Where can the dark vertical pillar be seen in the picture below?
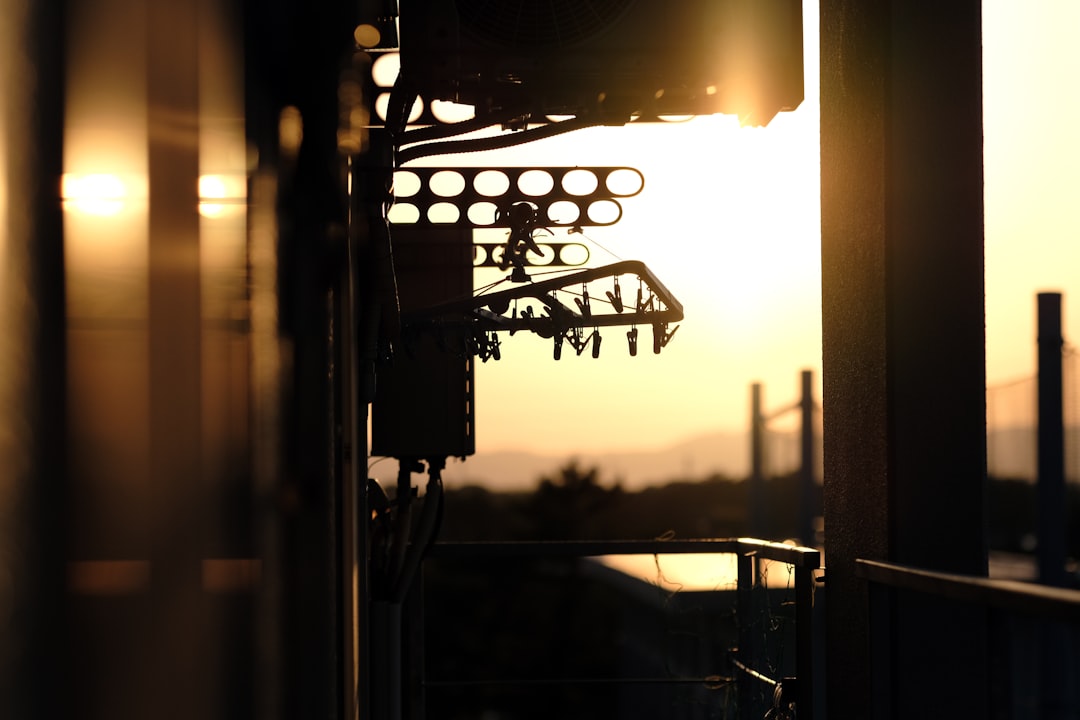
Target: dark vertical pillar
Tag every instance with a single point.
(902, 332)
(34, 488)
(808, 506)
(1051, 443)
(755, 495)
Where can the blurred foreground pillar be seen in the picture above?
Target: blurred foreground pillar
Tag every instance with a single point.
(903, 345)
(33, 478)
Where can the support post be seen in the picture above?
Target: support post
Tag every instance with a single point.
(1051, 443)
(808, 509)
(755, 495)
(903, 342)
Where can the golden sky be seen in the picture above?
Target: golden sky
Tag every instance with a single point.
(729, 221)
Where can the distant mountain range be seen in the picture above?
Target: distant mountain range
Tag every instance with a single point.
(725, 453)
(1011, 453)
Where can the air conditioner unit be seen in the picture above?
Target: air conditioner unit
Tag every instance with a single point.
(613, 59)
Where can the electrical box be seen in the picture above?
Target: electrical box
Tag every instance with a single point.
(424, 395)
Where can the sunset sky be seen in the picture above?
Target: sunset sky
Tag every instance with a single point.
(729, 220)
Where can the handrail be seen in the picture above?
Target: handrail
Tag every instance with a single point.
(799, 557)
(804, 560)
(1022, 597)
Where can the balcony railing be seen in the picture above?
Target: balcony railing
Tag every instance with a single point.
(745, 659)
(1031, 636)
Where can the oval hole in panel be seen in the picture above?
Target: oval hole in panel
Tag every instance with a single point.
(544, 258)
(580, 182)
(443, 213)
(604, 212)
(403, 214)
(574, 254)
(536, 182)
(625, 182)
(447, 183)
(563, 212)
(384, 70)
(451, 112)
(491, 183)
(383, 101)
(406, 184)
(482, 213)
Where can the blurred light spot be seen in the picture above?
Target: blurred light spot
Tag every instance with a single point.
(290, 130)
(212, 187)
(350, 141)
(96, 194)
(711, 90)
(217, 191)
(108, 577)
(367, 36)
(350, 92)
(230, 574)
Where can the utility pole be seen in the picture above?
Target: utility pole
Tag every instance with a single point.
(1051, 443)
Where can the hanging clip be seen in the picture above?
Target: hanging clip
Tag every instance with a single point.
(577, 340)
(631, 338)
(583, 302)
(596, 343)
(616, 296)
(661, 337)
(488, 347)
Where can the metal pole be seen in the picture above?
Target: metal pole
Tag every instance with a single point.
(35, 608)
(1051, 443)
(756, 491)
(804, 644)
(807, 505)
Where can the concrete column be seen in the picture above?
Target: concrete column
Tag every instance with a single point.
(903, 336)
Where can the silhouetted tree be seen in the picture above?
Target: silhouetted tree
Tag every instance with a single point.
(566, 504)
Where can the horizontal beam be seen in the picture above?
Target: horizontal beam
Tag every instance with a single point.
(1020, 597)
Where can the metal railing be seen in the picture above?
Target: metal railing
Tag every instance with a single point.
(750, 554)
(1032, 633)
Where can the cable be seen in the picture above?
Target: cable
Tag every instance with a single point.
(427, 528)
(496, 142)
(437, 132)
